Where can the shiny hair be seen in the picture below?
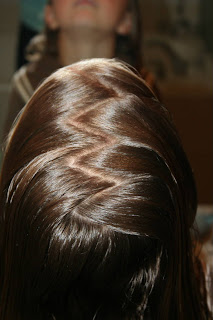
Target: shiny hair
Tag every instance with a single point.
(128, 47)
(97, 204)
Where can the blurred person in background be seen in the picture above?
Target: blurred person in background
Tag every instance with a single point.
(75, 30)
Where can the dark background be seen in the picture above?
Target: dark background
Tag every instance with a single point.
(178, 48)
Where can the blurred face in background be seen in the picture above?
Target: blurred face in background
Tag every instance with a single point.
(109, 16)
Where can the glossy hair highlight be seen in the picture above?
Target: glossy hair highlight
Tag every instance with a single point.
(97, 203)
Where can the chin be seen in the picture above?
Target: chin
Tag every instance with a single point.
(85, 17)
(84, 21)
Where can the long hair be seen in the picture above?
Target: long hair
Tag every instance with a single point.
(128, 48)
(97, 203)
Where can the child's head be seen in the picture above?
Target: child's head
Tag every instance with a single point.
(97, 202)
(121, 18)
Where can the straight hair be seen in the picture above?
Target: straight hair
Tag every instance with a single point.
(97, 204)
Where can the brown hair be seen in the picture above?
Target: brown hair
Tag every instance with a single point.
(128, 48)
(97, 203)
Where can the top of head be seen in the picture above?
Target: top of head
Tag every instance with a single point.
(95, 178)
(98, 120)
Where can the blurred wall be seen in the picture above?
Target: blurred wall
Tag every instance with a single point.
(8, 35)
(178, 46)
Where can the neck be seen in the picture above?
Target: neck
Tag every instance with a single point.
(84, 44)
